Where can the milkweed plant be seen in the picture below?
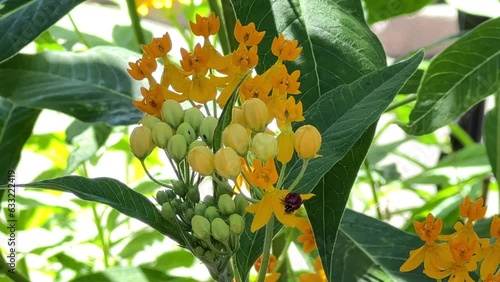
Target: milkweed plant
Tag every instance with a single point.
(263, 119)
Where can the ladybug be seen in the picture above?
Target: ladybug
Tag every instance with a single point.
(292, 202)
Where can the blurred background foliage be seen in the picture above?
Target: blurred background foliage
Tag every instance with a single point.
(63, 238)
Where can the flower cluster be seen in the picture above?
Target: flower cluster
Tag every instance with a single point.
(240, 155)
(457, 254)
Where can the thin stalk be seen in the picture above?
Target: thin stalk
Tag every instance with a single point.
(15, 275)
(100, 231)
(136, 23)
(283, 256)
(154, 179)
(373, 186)
(299, 177)
(410, 98)
(207, 109)
(497, 105)
(281, 177)
(268, 239)
(461, 135)
(80, 35)
(223, 34)
(173, 166)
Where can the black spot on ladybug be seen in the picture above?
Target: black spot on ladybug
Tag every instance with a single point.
(292, 202)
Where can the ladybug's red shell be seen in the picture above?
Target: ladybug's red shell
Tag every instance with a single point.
(292, 202)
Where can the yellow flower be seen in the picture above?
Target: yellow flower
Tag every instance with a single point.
(307, 142)
(255, 114)
(472, 210)
(307, 237)
(288, 112)
(492, 278)
(263, 177)
(319, 276)
(227, 163)
(247, 34)
(201, 160)
(236, 136)
(143, 6)
(491, 251)
(273, 203)
(285, 49)
(285, 146)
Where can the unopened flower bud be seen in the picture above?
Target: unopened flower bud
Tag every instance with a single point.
(285, 146)
(209, 256)
(212, 213)
(196, 143)
(162, 196)
(226, 204)
(187, 131)
(220, 230)
(236, 224)
(177, 147)
(227, 163)
(162, 132)
(175, 205)
(189, 214)
(207, 129)
(201, 227)
(224, 188)
(194, 116)
(307, 142)
(201, 160)
(209, 200)
(240, 203)
(172, 113)
(237, 116)
(264, 146)
(255, 114)
(180, 188)
(193, 194)
(141, 142)
(236, 137)
(199, 251)
(200, 209)
(149, 121)
(168, 212)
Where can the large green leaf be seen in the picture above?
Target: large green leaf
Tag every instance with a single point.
(459, 77)
(370, 250)
(379, 10)
(491, 139)
(16, 125)
(23, 23)
(115, 194)
(93, 86)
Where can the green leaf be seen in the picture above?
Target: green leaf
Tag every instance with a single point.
(491, 139)
(459, 77)
(115, 194)
(16, 125)
(371, 250)
(26, 22)
(93, 86)
(130, 274)
(345, 113)
(124, 36)
(139, 241)
(379, 10)
(88, 142)
(172, 260)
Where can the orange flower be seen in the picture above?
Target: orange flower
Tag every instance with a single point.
(273, 202)
(492, 278)
(152, 102)
(195, 62)
(245, 59)
(247, 34)
(287, 112)
(254, 87)
(472, 210)
(307, 237)
(286, 83)
(320, 275)
(270, 266)
(429, 230)
(159, 46)
(142, 68)
(491, 252)
(285, 49)
(263, 177)
(205, 26)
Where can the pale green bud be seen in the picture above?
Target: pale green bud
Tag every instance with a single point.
(227, 163)
(212, 213)
(187, 131)
(241, 203)
(194, 117)
(194, 195)
(200, 208)
(236, 136)
(150, 121)
(168, 212)
(224, 188)
(162, 132)
(175, 205)
(220, 230)
(207, 129)
(236, 224)
(189, 214)
(201, 227)
(209, 256)
(196, 143)
(199, 251)
(209, 200)
(180, 188)
(172, 113)
(264, 146)
(141, 142)
(226, 204)
(162, 196)
(177, 147)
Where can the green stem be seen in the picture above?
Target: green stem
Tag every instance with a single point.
(461, 134)
(373, 186)
(15, 275)
(136, 23)
(281, 177)
(268, 239)
(80, 35)
(100, 230)
(497, 105)
(173, 166)
(223, 34)
(154, 179)
(410, 98)
(299, 177)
